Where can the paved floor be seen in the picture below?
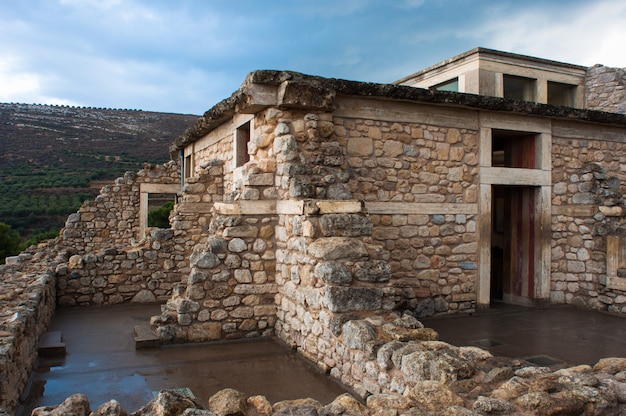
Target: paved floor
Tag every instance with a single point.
(101, 362)
(556, 336)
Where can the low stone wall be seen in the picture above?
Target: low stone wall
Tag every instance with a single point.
(142, 273)
(28, 299)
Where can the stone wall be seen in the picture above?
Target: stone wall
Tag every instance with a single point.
(111, 262)
(113, 218)
(230, 290)
(28, 298)
(605, 89)
(588, 189)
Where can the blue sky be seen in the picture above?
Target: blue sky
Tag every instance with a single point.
(183, 56)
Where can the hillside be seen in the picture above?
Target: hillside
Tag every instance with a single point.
(54, 157)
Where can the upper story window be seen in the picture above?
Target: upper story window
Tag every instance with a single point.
(561, 94)
(513, 149)
(242, 137)
(450, 85)
(519, 88)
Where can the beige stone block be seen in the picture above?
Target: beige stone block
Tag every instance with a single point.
(206, 331)
(338, 207)
(392, 148)
(264, 310)
(463, 297)
(360, 146)
(453, 136)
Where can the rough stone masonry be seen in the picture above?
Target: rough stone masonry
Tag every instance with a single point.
(360, 208)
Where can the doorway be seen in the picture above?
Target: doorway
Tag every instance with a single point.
(514, 243)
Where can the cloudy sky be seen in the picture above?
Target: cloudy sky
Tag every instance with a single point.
(183, 56)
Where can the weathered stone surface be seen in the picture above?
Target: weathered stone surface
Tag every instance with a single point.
(345, 225)
(333, 272)
(204, 260)
(228, 402)
(345, 404)
(167, 403)
(75, 405)
(334, 248)
(357, 333)
(110, 408)
(346, 299)
(612, 365)
(433, 395)
(373, 271)
(299, 407)
(492, 406)
(434, 365)
(259, 406)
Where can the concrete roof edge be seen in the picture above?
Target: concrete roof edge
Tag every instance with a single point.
(486, 51)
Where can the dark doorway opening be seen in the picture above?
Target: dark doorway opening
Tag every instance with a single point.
(514, 247)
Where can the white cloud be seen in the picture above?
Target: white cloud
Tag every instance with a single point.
(585, 34)
(15, 83)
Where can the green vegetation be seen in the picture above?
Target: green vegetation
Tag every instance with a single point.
(159, 217)
(9, 242)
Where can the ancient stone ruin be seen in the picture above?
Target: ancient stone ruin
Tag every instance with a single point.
(334, 215)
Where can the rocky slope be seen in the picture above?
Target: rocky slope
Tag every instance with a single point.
(54, 157)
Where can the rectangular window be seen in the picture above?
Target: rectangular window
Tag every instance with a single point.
(511, 149)
(450, 85)
(561, 94)
(242, 137)
(519, 88)
(188, 167)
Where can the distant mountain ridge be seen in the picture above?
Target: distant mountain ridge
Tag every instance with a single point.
(50, 156)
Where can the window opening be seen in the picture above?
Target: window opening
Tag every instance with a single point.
(519, 88)
(242, 138)
(561, 94)
(450, 85)
(159, 207)
(511, 149)
(188, 167)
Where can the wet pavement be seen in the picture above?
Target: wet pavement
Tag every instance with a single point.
(101, 362)
(556, 336)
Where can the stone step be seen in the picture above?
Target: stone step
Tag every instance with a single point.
(145, 337)
(51, 344)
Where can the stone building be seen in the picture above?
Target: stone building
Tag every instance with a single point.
(318, 210)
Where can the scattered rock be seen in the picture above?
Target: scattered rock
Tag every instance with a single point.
(228, 402)
(75, 405)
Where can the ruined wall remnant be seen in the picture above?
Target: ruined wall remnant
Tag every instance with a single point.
(28, 299)
(111, 261)
(605, 89)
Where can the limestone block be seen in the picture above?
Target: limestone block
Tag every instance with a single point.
(346, 299)
(205, 331)
(144, 296)
(345, 225)
(357, 333)
(237, 245)
(242, 231)
(204, 260)
(334, 248)
(433, 365)
(374, 271)
(333, 272)
(360, 146)
(433, 396)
